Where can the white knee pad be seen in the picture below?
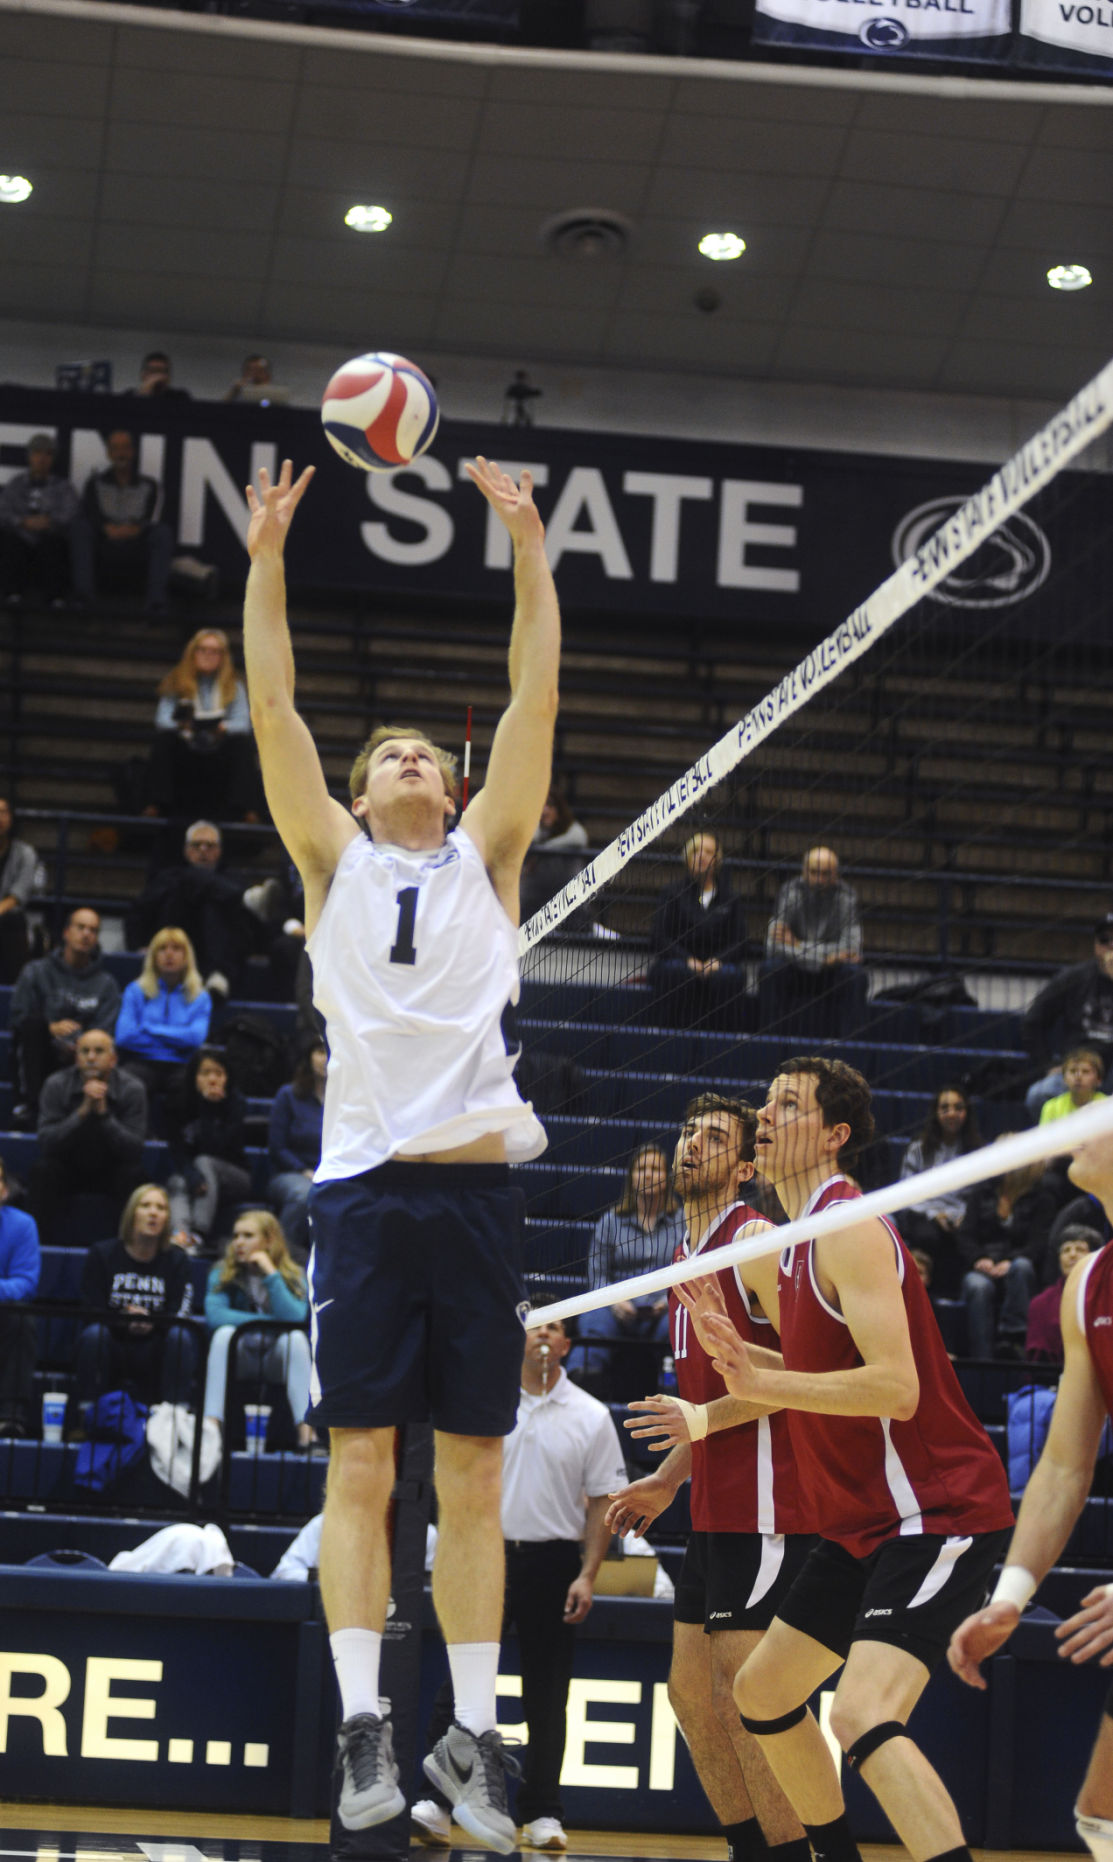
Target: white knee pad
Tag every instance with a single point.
(1097, 1834)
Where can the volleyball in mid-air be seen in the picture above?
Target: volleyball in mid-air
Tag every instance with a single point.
(379, 412)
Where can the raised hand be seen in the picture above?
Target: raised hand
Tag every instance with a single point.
(514, 503)
(272, 509)
(704, 1300)
(980, 1636)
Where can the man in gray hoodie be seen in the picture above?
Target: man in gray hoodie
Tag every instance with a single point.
(54, 1001)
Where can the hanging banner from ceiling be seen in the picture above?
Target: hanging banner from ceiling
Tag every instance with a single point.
(961, 29)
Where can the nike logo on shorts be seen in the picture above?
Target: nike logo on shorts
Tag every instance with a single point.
(320, 1307)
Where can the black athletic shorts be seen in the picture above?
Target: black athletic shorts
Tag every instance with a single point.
(737, 1580)
(416, 1298)
(913, 1592)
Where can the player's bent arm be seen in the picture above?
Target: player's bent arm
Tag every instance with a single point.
(729, 1412)
(862, 1266)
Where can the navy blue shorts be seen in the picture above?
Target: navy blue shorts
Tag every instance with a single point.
(416, 1298)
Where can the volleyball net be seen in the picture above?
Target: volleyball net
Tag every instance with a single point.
(904, 831)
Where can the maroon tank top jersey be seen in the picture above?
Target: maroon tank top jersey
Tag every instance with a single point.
(873, 1478)
(1095, 1317)
(743, 1479)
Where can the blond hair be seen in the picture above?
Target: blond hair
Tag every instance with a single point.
(274, 1241)
(127, 1220)
(148, 978)
(387, 733)
(181, 680)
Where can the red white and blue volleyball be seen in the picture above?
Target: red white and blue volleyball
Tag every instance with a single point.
(379, 412)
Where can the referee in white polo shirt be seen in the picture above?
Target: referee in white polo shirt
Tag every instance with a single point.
(560, 1464)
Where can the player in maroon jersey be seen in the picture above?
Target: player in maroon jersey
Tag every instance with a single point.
(1054, 1498)
(910, 1496)
(745, 1548)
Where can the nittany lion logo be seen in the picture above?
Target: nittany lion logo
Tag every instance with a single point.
(1009, 566)
(884, 35)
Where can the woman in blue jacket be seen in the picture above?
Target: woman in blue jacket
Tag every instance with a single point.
(164, 1015)
(258, 1280)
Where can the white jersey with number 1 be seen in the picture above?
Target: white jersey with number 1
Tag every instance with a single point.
(415, 964)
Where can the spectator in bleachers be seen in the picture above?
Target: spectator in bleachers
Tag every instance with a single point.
(256, 386)
(642, 1231)
(1083, 1073)
(950, 1130)
(164, 1014)
(19, 1281)
(56, 999)
(155, 382)
(1075, 1009)
(37, 511)
(205, 1128)
(92, 1128)
(813, 952)
(208, 904)
(555, 855)
(698, 940)
(202, 757)
(1044, 1341)
(21, 875)
(1082, 1211)
(1001, 1239)
(294, 1144)
(119, 540)
(258, 1279)
(128, 1281)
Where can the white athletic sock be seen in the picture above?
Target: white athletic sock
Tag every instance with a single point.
(355, 1657)
(474, 1666)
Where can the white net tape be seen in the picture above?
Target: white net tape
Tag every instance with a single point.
(1072, 430)
(1093, 1122)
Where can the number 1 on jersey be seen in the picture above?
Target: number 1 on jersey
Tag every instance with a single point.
(402, 950)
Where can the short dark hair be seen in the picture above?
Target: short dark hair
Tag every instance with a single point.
(736, 1109)
(73, 911)
(155, 355)
(842, 1095)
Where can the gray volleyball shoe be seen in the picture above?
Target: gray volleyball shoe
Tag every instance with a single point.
(471, 1771)
(369, 1791)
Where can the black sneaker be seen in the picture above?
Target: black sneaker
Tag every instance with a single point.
(369, 1790)
(471, 1771)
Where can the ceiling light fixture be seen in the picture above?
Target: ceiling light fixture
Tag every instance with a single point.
(1069, 278)
(368, 219)
(722, 246)
(13, 188)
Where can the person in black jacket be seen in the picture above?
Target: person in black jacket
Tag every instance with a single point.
(206, 1133)
(128, 1283)
(92, 1128)
(56, 999)
(1001, 1241)
(698, 940)
(1075, 1009)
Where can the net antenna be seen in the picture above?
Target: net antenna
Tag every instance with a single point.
(1089, 1125)
(1082, 421)
(467, 763)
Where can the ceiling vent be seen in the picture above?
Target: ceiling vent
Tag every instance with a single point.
(587, 234)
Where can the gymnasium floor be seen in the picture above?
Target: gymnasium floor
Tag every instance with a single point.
(39, 1833)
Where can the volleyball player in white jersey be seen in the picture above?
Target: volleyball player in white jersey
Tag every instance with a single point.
(416, 1277)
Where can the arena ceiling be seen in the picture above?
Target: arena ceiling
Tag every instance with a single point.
(192, 174)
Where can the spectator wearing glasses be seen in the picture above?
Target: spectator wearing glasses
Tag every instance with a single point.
(1075, 1009)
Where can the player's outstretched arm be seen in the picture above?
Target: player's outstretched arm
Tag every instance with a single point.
(1053, 1500)
(503, 818)
(314, 828)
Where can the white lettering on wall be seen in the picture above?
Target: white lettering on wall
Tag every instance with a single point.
(44, 1707)
(583, 1731)
(101, 1706)
(668, 491)
(737, 534)
(585, 492)
(386, 494)
(204, 471)
(662, 1736)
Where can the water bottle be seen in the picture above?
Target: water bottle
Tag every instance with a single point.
(666, 1382)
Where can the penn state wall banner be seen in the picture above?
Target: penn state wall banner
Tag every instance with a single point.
(1068, 35)
(968, 30)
